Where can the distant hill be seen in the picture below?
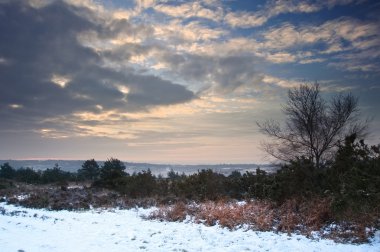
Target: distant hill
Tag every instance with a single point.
(163, 169)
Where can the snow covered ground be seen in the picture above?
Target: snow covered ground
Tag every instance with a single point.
(23, 229)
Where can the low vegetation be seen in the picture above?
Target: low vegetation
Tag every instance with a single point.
(344, 197)
(334, 187)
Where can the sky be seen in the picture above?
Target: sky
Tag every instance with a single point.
(179, 82)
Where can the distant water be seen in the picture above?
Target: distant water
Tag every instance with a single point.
(157, 169)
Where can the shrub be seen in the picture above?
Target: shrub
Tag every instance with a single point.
(299, 178)
(112, 169)
(55, 175)
(234, 185)
(28, 175)
(7, 171)
(203, 185)
(90, 170)
(257, 185)
(354, 178)
(138, 185)
(4, 184)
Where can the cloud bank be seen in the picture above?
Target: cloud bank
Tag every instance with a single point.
(173, 77)
(47, 72)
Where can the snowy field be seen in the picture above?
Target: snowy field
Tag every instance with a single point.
(23, 229)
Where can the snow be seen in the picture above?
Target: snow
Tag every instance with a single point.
(24, 229)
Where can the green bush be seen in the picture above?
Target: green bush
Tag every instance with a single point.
(299, 178)
(28, 175)
(55, 175)
(90, 170)
(5, 183)
(257, 185)
(203, 185)
(354, 177)
(138, 185)
(7, 171)
(112, 169)
(234, 185)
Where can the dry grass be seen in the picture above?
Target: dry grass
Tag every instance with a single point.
(258, 215)
(305, 216)
(176, 212)
(293, 216)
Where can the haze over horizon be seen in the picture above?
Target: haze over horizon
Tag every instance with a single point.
(177, 82)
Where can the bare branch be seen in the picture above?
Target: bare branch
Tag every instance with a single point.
(313, 127)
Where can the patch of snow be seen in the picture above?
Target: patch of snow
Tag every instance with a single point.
(75, 187)
(125, 230)
(22, 196)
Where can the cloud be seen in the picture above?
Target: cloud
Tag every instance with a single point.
(339, 39)
(334, 40)
(327, 85)
(175, 31)
(357, 33)
(244, 19)
(46, 71)
(355, 66)
(223, 74)
(284, 83)
(309, 61)
(155, 91)
(164, 77)
(217, 11)
(191, 9)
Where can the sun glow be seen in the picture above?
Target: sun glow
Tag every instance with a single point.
(16, 106)
(60, 80)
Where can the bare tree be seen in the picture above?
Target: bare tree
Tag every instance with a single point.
(313, 126)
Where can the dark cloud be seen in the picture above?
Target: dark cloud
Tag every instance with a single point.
(162, 91)
(222, 73)
(37, 44)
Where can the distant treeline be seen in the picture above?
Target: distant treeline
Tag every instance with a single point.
(31, 176)
(352, 180)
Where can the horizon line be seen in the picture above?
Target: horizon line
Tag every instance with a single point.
(137, 162)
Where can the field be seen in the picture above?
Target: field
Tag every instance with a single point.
(25, 229)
